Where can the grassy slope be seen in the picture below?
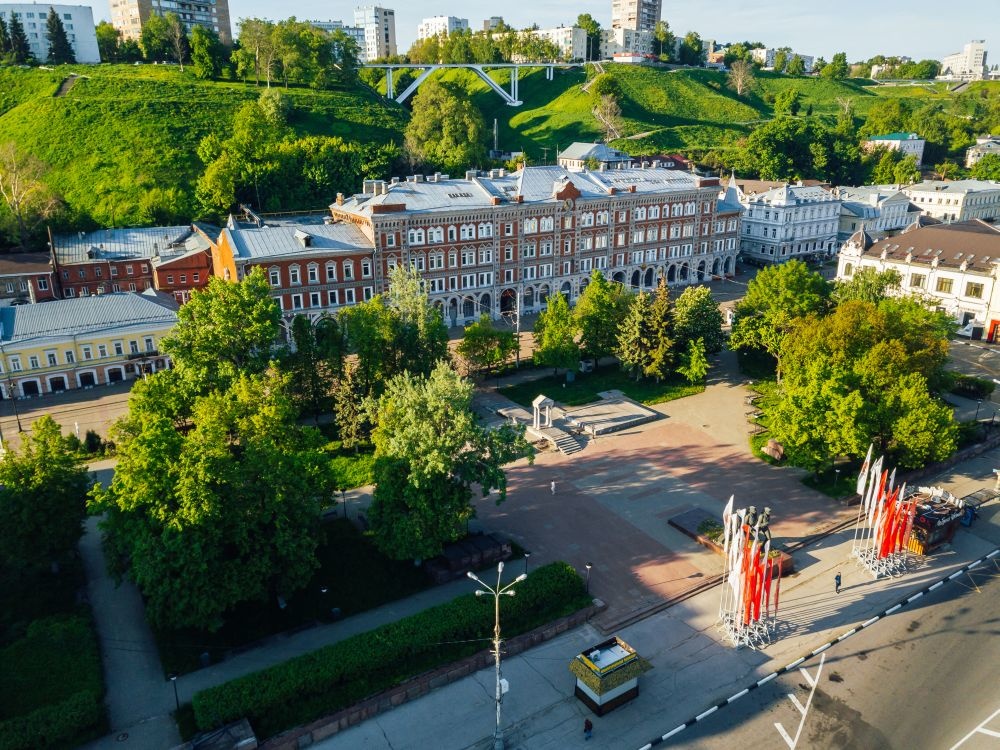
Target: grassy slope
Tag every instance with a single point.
(127, 129)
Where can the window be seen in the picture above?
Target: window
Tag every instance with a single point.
(43, 284)
(546, 224)
(508, 229)
(145, 268)
(133, 347)
(148, 343)
(83, 273)
(88, 353)
(194, 278)
(529, 273)
(485, 230)
(331, 271)
(654, 212)
(640, 213)
(10, 287)
(508, 253)
(102, 350)
(130, 270)
(435, 234)
(530, 226)
(70, 356)
(485, 256)
(468, 231)
(485, 279)
(295, 275)
(436, 261)
(312, 273)
(348, 270)
(315, 299)
(917, 280)
(170, 278)
(348, 296)
(131, 287)
(437, 286)
(69, 292)
(368, 292)
(33, 362)
(602, 217)
(390, 240)
(944, 286)
(15, 364)
(366, 267)
(334, 297)
(567, 222)
(974, 290)
(452, 234)
(114, 272)
(468, 257)
(184, 278)
(274, 277)
(544, 270)
(119, 348)
(508, 276)
(296, 301)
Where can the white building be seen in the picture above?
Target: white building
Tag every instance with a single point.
(765, 58)
(878, 210)
(441, 26)
(958, 200)
(571, 41)
(379, 26)
(635, 15)
(78, 20)
(577, 156)
(908, 144)
(985, 145)
(791, 221)
(967, 65)
(623, 41)
(955, 265)
(354, 32)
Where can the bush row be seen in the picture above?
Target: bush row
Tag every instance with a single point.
(329, 679)
(971, 387)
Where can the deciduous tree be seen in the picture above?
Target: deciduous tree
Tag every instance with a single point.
(740, 77)
(445, 130)
(697, 316)
(484, 347)
(694, 365)
(987, 168)
(28, 198)
(555, 335)
(599, 312)
(208, 54)
(796, 67)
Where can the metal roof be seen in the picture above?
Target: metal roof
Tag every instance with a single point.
(288, 239)
(81, 316)
(17, 264)
(131, 243)
(974, 243)
(896, 137)
(952, 186)
(600, 151)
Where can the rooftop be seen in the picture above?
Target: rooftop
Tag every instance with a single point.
(974, 243)
(600, 151)
(21, 263)
(895, 137)
(82, 316)
(132, 243)
(289, 239)
(952, 186)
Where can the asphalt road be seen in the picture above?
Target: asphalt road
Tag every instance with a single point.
(924, 678)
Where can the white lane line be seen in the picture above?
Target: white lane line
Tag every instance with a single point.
(978, 730)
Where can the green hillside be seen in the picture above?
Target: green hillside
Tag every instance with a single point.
(122, 137)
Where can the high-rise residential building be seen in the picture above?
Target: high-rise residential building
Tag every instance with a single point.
(638, 15)
(969, 64)
(441, 26)
(379, 25)
(78, 20)
(354, 32)
(128, 16)
(493, 23)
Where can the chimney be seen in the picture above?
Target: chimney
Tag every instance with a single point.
(631, 188)
(368, 187)
(519, 198)
(340, 199)
(471, 174)
(437, 177)
(395, 180)
(418, 178)
(494, 201)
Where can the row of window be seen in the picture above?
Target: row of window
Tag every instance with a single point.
(195, 278)
(84, 291)
(813, 229)
(797, 214)
(99, 272)
(312, 273)
(86, 354)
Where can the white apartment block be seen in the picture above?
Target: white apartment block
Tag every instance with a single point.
(908, 144)
(78, 20)
(354, 32)
(959, 200)
(878, 210)
(985, 145)
(441, 26)
(967, 65)
(953, 265)
(571, 41)
(765, 58)
(622, 41)
(379, 25)
(129, 16)
(636, 15)
(791, 221)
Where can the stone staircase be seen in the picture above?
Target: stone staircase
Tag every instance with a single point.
(566, 442)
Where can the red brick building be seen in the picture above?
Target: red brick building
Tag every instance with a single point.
(26, 277)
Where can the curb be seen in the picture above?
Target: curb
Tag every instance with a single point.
(816, 651)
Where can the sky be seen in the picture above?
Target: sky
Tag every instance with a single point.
(862, 28)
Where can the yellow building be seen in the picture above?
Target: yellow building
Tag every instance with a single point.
(82, 342)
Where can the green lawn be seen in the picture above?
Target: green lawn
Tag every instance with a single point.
(351, 468)
(357, 578)
(584, 389)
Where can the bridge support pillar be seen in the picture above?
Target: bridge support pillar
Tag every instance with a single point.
(390, 92)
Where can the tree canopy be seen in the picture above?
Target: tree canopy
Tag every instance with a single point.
(60, 50)
(599, 312)
(697, 317)
(484, 347)
(555, 335)
(445, 131)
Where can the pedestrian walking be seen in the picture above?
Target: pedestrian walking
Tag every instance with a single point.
(553, 487)
(836, 582)
(588, 729)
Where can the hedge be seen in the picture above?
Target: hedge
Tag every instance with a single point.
(972, 387)
(334, 677)
(57, 660)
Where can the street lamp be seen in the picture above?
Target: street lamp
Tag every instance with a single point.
(173, 680)
(322, 601)
(978, 404)
(836, 480)
(526, 556)
(588, 566)
(496, 593)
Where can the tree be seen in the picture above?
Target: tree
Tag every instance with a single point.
(231, 513)
(555, 335)
(60, 50)
(692, 51)
(695, 364)
(609, 114)
(155, 38)
(421, 338)
(5, 47)
(884, 171)
(485, 347)
(906, 170)
(663, 41)
(787, 101)
(776, 297)
(108, 41)
(987, 168)
(429, 453)
(352, 423)
(445, 130)
(780, 61)
(177, 38)
(257, 52)
(20, 51)
(661, 334)
(599, 312)
(314, 362)
(946, 170)
(372, 328)
(697, 317)
(868, 284)
(837, 68)
(43, 489)
(796, 67)
(740, 77)
(587, 22)
(225, 330)
(208, 54)
(28, 199)
(634, 335)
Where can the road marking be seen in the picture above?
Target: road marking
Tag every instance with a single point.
(738, 695)
(979, 730)
(939, 583)
(703, 714)
(892, 609)
(804, 710)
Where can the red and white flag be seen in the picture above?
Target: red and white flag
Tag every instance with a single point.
(863, 474)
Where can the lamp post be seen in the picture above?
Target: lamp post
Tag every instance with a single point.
(496, 593)
(322, 601)
(979, 403)
(588, 566)
(836, 479)
(173, 681)
(526, 556)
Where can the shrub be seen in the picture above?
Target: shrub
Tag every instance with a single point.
(334, 677)
(92, 442)
(972, 387)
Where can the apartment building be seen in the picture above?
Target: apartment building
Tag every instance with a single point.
(82, 342)
(908, 144)
(354, 32)
(958, 200)
(174, 259)
(985, 145)
(785, 222)
(441, 26)
(572, 41)
(636, 15)
(967, 65)
(878, 210)
(26, 277)
(379, 25)
(952, 265)
(77, 20)
(765, 58)
(129, 16)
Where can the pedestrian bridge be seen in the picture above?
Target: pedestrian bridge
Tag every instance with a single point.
(479, 69)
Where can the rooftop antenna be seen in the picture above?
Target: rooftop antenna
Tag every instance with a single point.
(545, 154)
(496, 146)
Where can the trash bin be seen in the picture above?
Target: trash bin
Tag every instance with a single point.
(969, 515)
